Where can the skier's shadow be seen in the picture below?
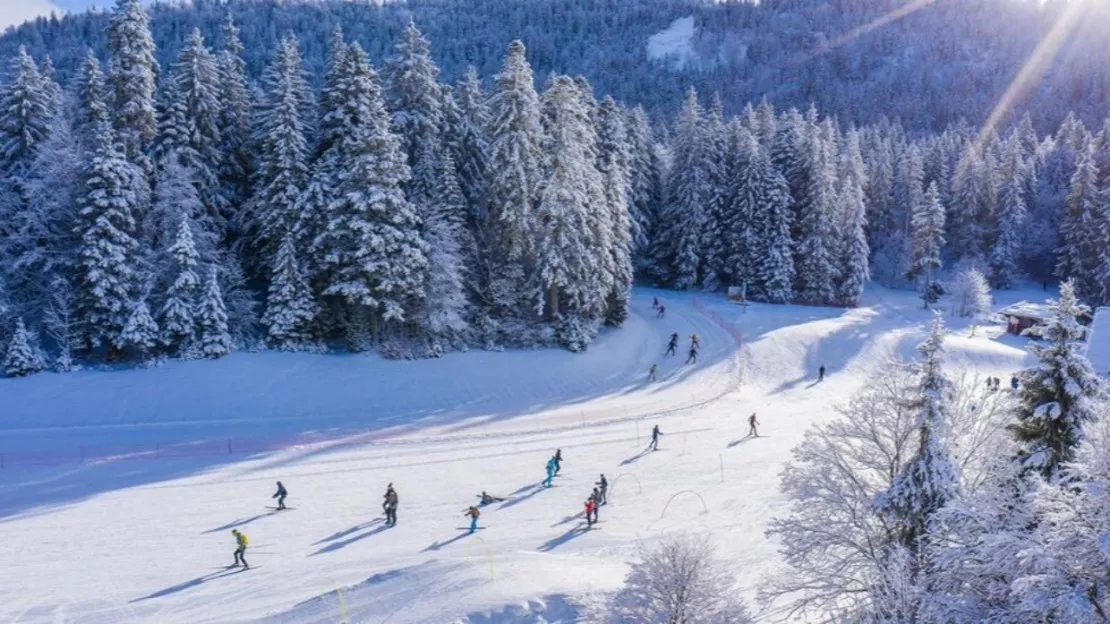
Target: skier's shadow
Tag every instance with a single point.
(577, 516)
(635, 458)
(438, 545)
(536, 489)
(189, 584)
(334, 546)
(554, 543)
(240, 522)
(346, 532)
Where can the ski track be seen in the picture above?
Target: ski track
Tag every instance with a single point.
(149, 534)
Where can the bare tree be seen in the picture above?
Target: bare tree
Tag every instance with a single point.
(61, 324)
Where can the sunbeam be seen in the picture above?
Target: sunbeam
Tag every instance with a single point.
(883, 20)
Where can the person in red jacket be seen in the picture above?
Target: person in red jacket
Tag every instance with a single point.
(590, 507)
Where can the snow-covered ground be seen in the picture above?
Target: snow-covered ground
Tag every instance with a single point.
(139, 531)
(674, 44)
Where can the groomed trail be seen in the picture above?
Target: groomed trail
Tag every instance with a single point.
(146, 539)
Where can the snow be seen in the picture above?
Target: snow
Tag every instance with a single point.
(146, 539)
(674, 44)
(1098, 341)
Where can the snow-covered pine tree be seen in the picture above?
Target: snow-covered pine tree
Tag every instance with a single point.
(574, 265)
(213, 337)
(971, 292)
(646, 181)
(290, 309)
(855, 270)
(1077, 256)
(744, 222)
(107, 252)
(283, 129)
(974, 198)
(678, 241)
(177, 314)
(132, 73)
(516, 167)
(774, 275)
(927, 239)
(50, 86)
(92, 107)
(61, 323)
(413, 98)
(446, 309)
(234, 121)
(929, 479)
(466, 121)
(373, 255)
(816, 268)
(173, 128)
(713, 247)
(23, 357)
(25, 113)
(1012, 212)
(1061, 395)
(613, 161)
(140, 333)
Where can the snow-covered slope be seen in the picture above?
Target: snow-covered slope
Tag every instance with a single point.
(674, 44)
(144, 537)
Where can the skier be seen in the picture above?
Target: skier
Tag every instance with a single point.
(655, 303)
(595, 496)
(558, 461)
(672, 345)
(1014, 383)
(694, 341)
(655, 433)
(591, 508)
(821, 373)
(651, 373)
(280, 495)
(752, 423)
(603, 490)
(693, 356)
(662, 311)
(550, 472)
(240, 549)
(389, 506)
(486, 499)
(473, 514)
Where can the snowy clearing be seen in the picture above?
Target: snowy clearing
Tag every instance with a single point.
(675, 44)
(144, 538)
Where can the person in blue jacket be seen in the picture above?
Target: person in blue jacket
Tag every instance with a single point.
(550, 472)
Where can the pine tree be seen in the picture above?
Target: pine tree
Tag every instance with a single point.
(283, 130)
(816, 270)
(25, 112)
(196, 81)
(713, 246)
(234, 121)
(678, 244)
(775, 274)
(413, 97)
(929, 479)
(855, 253)
(613, 162)
(140, 333)
(1077, 255)
(51, 88)
(177, 313)
(1012, 211)
(445, 310)
(23, 357)
(91, 98)
(1059, 396)
(744, 225)
(290, 309)
(516, 166)
(928, 238)
(646, 180)
(213, 337)
(573, 258)
(106, 258)
(132, 73)
(465, 129)
(974, 199)
(370, 244)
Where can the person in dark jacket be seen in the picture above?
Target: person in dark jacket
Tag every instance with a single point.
(558, 460)
(389, 505)
(752, 424)
(821, 373)
(603, 490)
(672, 345)
(486, 499)
(655, 433)
(280, 495)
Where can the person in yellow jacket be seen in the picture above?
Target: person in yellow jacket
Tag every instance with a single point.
(240, 548)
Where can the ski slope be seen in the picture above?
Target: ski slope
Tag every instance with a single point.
(134, 536)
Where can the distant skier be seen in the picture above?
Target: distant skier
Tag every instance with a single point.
(821, 373)
(280, 495)
(693, 356)
(486, 499)
(651, 373)
(655, 433)
(655, 303)
(558, 461)
(672, 345)
(694, 341)
(389, 506)
(591, 508)
(473, 514)
(603, 490)
(240, 549)
(550, 472)
(662, 311)
(1014, 383)
(595, 496)
(752, 424)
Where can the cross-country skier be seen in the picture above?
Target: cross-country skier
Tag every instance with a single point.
(603, 490)
(591, 509)
(655, 433)
(558, 460)
(693, 356)
(821, 373)
(485, 499)
(672, 345)
(240, 548)
(662, 311)
(752, 424)
(473, 514)
(694, 341)
(550, 472)
(651, 373)
(280, 495)
(389, 506)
